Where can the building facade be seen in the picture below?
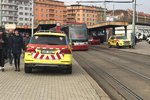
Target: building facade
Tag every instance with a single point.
(90, 15)
(8, 12)
(15, 12)
(49, 11)
(24, 12)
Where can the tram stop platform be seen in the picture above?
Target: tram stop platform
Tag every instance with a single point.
(141, 48)
(49, 85)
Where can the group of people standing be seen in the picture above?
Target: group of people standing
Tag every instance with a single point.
(11, 47)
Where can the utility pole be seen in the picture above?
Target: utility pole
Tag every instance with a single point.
(32, 18)
(104, 10)
(113, 10)
(133, 24)
(0, 13)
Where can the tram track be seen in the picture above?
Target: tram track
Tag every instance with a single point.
(108, 51)
(109, 83)
(140, 63)
(115, 83)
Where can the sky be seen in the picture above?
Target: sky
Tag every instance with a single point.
(142, 5)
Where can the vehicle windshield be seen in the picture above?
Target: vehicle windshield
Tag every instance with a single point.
(48, 40)
(78, 33)
(121, 37)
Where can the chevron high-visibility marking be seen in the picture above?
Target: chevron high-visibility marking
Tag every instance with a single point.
(56, 56)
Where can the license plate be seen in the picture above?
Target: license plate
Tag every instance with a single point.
(47, 52)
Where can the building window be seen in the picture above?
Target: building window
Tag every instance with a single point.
(26, 14)
(21, 19)
(20, 24)
(26, 19)
(21, 8)
(26, 8)
(20, 13)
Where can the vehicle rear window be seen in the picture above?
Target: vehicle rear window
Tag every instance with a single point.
(121, 37)
(49, 40)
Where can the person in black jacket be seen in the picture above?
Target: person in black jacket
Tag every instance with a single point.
(17, 46)
(3, 46)
(10, 39)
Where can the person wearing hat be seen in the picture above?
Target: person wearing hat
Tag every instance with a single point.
(3, 45)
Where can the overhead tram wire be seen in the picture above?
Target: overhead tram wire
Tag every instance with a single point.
(110, 1)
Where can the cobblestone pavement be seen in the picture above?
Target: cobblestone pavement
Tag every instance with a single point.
(49, 85)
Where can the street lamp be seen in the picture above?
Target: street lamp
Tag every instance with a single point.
(32, 18)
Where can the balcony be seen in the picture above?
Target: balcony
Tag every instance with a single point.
(10, 21)
(9, 9)
(7, 15)
(9, 3)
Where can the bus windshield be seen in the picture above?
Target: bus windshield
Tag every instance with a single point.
(78, 33)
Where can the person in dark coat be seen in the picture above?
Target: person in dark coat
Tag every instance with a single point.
(3, 46)
(17, 46)
(10, 41)
(135, 40)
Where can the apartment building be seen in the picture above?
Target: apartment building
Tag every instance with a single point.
(8, 12)
(85, 14)
(16, 12)
(24, 12)
(49, 10)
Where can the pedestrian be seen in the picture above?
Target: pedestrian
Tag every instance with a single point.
(26, 39)
(136, 40)
(17, 46)
(3, 46)
(10, 41)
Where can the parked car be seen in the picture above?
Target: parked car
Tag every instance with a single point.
(94, 41)
(118, 41)
(48, 49)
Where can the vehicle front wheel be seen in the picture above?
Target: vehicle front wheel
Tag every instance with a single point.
(27, 69)
(69, 69)
(109, 45)
(117, 45)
